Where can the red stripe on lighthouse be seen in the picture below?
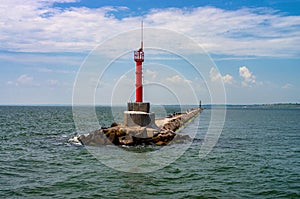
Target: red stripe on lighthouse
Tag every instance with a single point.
(139, 84)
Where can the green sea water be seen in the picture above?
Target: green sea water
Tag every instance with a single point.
(257, 156)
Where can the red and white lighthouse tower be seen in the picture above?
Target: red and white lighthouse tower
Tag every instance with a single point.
(138, 112)
(138, 55)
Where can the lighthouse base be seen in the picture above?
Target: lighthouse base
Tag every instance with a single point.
(138, 118)
(138, 106)
(138, 114)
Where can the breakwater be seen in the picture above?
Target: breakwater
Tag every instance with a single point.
(162, 133)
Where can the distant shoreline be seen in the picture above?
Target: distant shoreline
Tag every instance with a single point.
(207, 106)
(265, 106)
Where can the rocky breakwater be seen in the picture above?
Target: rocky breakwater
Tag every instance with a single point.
(163, 133)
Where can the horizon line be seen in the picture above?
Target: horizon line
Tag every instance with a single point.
(229, 104)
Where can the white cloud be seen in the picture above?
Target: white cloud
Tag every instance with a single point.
(10, 83)
(44, 61)
(48, 70)
(53, 82)
(21, 80)
(216, 76)
(248, 78)
(35, 25)
(150, 76)
(228, 79)
(24, 79)
(176, 79)
(287, 86)
(45, 70)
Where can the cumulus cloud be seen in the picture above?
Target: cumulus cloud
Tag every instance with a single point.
(228, 79)
(216, 76)
(287, 86)
(48, 70)
(24, 79)
(53, 82)
(21, 80)
(176, 79)
(35, 25)
(150, 75)
(248, 78)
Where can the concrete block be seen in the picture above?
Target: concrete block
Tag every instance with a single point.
(138, 118)
(138, 106)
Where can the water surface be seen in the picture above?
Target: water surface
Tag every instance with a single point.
(257, 156)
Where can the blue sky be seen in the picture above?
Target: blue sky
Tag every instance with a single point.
(255, 45)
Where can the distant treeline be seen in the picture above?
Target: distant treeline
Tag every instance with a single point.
(267, 106)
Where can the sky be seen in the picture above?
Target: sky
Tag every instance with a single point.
(252, 48)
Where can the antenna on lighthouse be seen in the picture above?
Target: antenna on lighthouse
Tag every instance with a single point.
(142, 36)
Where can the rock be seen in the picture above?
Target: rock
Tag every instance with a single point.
(114, 124)
(82, 140)
(151, 132)
(160, 143)
(100, 140)
(121, 132)
(140, 132)
(181, 138)
(126, 140)
(113, 138)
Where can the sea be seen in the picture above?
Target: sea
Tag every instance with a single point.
(257, 155)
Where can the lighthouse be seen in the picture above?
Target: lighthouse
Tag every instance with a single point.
(139, 59)
(138, 112)
(139, 127)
